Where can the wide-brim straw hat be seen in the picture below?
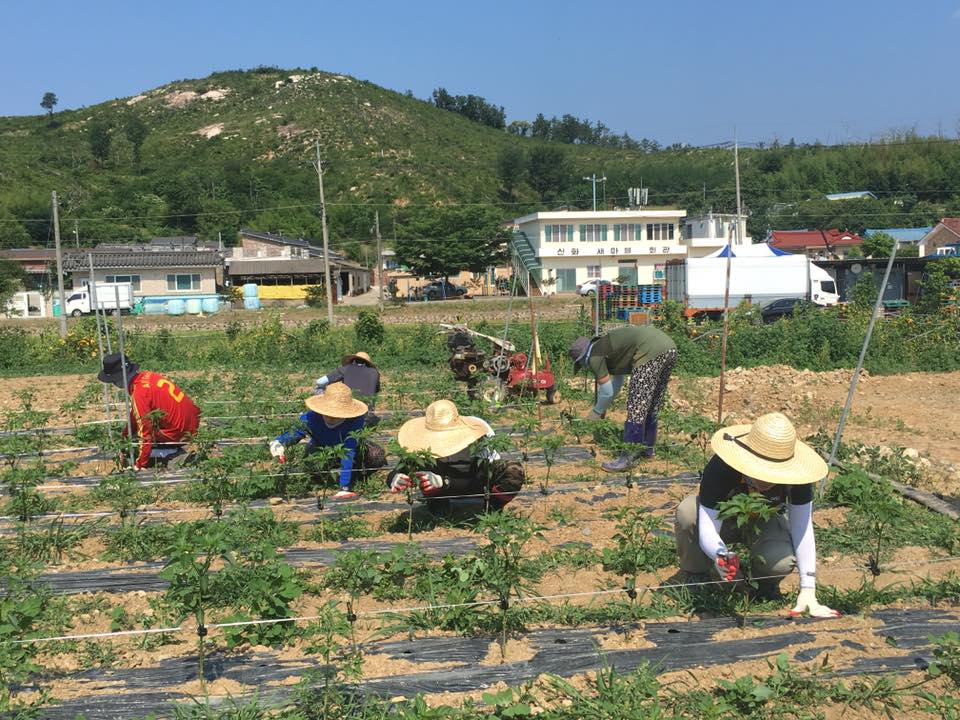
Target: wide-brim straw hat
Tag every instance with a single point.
(347, 359)
(441, 430)
(768, 450)
(337, 401)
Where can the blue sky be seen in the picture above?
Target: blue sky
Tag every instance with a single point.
(674, 71)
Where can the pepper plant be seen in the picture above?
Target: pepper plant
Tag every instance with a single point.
(639, 547)
(750, 512)
(550, 443)
(410, 463)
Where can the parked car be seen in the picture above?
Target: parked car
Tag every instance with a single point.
(442, 289)
(782, 307)
(591, 285)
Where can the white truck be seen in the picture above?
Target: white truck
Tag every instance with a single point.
(699, 282)
(110, 297)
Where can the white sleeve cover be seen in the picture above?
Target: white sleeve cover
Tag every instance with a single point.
(708, 529)
(322, 381)
(605, 393)
(487, 453)
(804, 545)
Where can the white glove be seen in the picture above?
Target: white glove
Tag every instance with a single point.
(807, 604)
(400, 483)
(430, 482)
(277, 450)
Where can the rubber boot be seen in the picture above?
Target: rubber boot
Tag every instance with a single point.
(632, 433)
(650, 436)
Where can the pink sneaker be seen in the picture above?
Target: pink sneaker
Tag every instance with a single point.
(345, 495)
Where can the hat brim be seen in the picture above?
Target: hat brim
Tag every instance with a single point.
(116, 378)
(347, 359)
(325, 405)
(415, 437)
(804, 468)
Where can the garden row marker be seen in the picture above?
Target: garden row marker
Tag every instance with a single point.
(118, 315)
(877, 306)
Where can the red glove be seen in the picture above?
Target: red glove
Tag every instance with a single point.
(430, 482)
(728, 566)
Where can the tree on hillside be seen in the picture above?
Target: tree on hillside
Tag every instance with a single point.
(878, 245)
(472, 107)
(48, 103)
(540, 127)
(11, 280)
(511, 168)
(438, 242)
(99, 139)
(136, 132)
(548, 171)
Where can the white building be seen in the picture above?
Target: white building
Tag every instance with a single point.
(561, 250)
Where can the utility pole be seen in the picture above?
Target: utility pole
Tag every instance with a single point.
(593, 179)
(376, 224)
(56, 240)
(76, 233)
(726, 291)
(326, 240)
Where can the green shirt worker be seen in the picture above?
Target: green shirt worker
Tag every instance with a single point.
(647, 355)
(767, 458)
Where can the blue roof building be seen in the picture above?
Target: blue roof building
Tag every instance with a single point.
(904, 235)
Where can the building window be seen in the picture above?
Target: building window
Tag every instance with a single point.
(627, 231)
(593, 271)
(660, 231)
(593, 233)
(134, 280)
(558, 233)
(178, 283)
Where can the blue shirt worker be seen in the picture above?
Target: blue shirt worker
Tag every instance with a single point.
(330, 420)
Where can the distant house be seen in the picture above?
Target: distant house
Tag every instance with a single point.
(37, 264)
(943, 239)
(818, 244)
(161, 269)
(854, 195)
(285, 267)
(904, 236)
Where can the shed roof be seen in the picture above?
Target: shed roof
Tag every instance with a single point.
(136, 257)
(292, 266)
(801, 239)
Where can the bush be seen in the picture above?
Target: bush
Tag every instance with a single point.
(369, 329)
(316, 296)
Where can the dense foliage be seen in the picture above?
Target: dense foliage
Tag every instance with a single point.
(813, 338)
(233, 150)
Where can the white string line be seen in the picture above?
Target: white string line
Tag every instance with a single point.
(446, 606)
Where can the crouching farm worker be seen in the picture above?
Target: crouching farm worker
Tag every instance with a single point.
(358, 373)
(458, 469)
(647, 355)
(766, 458)
(163, 418)
(332, 419)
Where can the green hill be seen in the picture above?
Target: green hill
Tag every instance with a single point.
(236, 149)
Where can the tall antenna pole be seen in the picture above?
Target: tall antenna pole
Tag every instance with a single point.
(56, 240)
(326, 241)
(376, 224)
(726, 291)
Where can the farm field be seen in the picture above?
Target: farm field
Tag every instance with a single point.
(567, 602)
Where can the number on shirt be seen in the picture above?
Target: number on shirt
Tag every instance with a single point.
(176, 394)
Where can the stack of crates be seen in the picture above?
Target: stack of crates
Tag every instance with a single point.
(626, 298)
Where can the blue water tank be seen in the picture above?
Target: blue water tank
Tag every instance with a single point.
(176, 307)
(251, 303)
(154, 308)
(194, 306)
(211, 305)
(250, 290)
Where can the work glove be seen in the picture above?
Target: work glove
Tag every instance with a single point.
(807, 604)
(278, 451)
(430, 482)
(400, 483)
(727, 566)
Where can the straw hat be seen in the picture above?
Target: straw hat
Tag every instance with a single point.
(347, 359)
(442, 430)
(768, 450)
(337, 401)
